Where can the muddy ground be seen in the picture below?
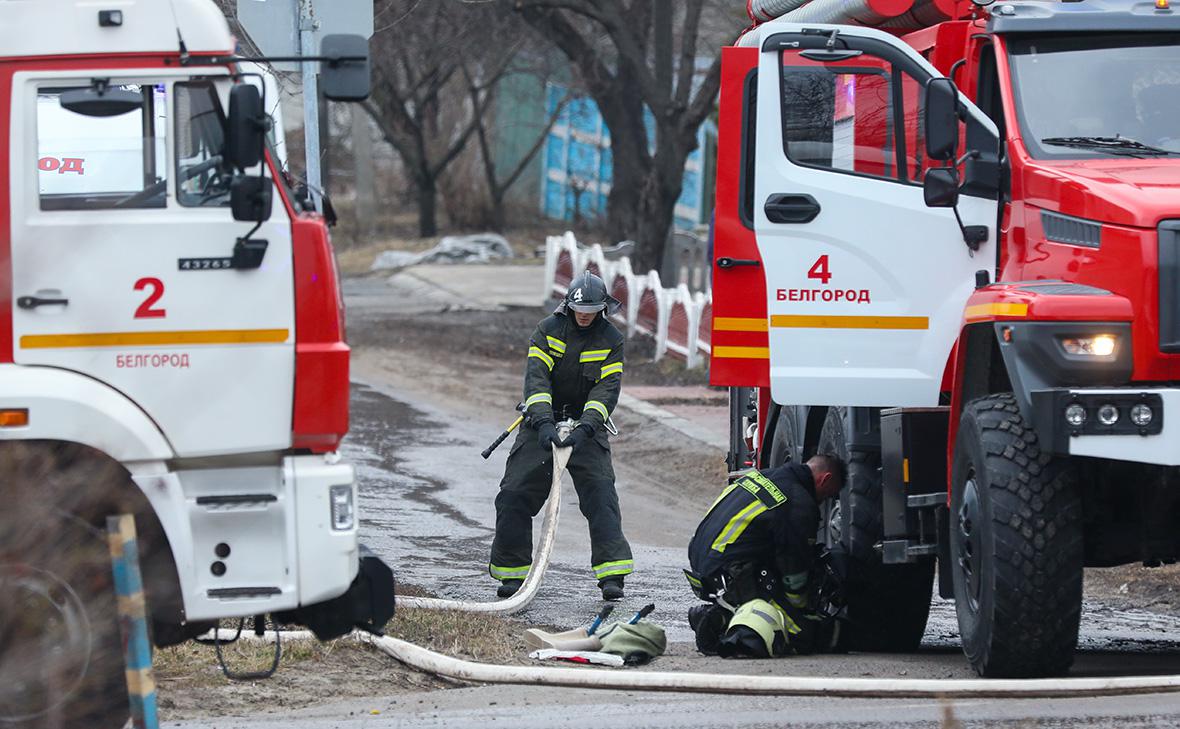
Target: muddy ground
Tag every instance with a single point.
(462, 370)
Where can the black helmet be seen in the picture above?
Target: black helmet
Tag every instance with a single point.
(588, 295)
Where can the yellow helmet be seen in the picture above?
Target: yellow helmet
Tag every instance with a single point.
(759, 629)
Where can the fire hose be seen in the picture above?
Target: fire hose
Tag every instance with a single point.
(428, 661)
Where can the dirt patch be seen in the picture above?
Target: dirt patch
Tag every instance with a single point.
(1134, 587)
(501, 338)
(191, 685)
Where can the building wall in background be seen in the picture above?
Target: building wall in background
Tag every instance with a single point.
(577, 169)
(571, 175)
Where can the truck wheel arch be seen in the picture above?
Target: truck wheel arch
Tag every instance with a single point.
(73, 408)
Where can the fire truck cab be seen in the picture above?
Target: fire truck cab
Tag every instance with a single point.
(171, 344)
(952, 256)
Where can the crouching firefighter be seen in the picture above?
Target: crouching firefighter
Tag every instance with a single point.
(574, 369)
(753, 557)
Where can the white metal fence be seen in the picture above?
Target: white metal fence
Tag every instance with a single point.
(678, 319)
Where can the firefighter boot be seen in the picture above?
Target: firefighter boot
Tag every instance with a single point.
(612, 588)
(508, 588)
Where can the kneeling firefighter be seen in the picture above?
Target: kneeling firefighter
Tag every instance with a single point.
(574, 370)
(753, 558)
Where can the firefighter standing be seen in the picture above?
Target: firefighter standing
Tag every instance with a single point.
(574, 369)
(752, 554)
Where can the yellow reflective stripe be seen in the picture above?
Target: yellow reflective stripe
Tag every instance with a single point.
(804, 321)
(155, 339)
(984, 311)
(556, 345)
(539, 397)
(509, 573)
(694, 581)
(536, 352)
(614, 368)
(737, 525)
(597, 406)
(724, 493)
(594, 355)
(613, 569)
(741, 352)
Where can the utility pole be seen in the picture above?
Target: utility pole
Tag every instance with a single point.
(362, 152)
(311, 111)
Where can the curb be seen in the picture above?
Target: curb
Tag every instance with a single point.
(672, 420)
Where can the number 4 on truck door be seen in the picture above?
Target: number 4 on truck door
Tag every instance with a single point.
(840, 134)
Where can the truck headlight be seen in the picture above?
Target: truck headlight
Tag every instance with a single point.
(1108, 414)
(1099, 345)
(1075, 415)
(1141, 415)
(343, 513)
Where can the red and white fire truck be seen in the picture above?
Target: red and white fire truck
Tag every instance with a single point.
(950, 251)
(168, 313)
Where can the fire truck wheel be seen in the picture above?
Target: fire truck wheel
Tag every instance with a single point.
(888, 605)
(61, 661)
(1016, 542)
(782, 446)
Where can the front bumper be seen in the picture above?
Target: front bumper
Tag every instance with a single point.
(368, 603)
(1157, 443)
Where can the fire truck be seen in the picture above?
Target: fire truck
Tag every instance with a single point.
(948, 250)
(172, 345)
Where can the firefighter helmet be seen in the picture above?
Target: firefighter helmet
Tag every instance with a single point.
(588, 295)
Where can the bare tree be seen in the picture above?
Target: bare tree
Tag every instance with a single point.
(420, 102)
(498, 185)
(633, 56)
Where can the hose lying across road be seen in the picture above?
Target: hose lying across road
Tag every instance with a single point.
(439, 664)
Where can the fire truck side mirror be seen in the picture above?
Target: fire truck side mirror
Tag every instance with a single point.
(247, 124)
(941, 187)
(942, 119)
(250, 198)
(345, 71)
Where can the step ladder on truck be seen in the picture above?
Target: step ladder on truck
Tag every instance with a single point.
(171, 346)
(948, 249)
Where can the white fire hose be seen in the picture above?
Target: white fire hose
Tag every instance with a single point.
(438, 664)
(428, 661)
(532, 583)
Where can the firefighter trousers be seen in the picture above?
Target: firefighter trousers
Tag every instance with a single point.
(523, 490)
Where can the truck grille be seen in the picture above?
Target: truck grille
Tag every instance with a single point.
(1169, 273)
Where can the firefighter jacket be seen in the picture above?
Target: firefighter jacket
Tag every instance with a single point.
(762, 521)
(573, 371)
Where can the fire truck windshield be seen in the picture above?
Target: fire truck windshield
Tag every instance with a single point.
(1098, 95)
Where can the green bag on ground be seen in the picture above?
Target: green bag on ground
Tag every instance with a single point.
(637, 643)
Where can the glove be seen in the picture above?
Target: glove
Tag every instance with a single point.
(547, 435)
(578, 436)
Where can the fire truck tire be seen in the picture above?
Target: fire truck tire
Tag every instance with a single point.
(1016, 540)
(61, 659)
(784, 441)
(857, 524)
(888, 605)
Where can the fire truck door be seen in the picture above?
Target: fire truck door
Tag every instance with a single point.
(122, 236)
(866, 284)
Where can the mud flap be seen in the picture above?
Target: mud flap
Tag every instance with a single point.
(368, 604)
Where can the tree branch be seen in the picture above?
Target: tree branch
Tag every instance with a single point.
(688, 52)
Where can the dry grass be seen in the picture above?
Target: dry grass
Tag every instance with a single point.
(474, 636)
(192, 685)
